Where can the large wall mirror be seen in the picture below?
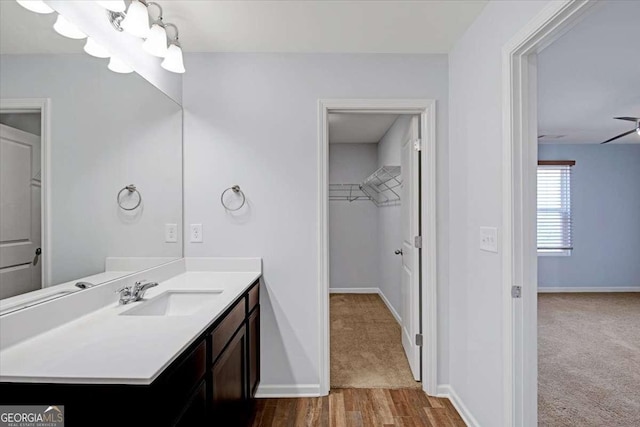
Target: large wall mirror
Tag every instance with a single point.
(90, 166)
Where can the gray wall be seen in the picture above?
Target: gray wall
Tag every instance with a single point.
(108, 130)
(28, 122)
(353, 226)
(605, 204)
(252, 119)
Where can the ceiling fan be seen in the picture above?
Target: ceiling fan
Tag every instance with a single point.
(629, 119)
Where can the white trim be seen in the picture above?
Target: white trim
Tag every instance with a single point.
(445, 390)
(519, 205)
(389, 306)
(546, 289)
(426, 108)
(43, 106)
(354, 290)
(287, 390)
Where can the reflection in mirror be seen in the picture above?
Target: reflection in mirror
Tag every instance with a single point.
(91, 166)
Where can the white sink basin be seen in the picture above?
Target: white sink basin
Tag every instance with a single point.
(174, 303)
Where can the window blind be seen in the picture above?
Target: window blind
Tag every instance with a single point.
(554, 207)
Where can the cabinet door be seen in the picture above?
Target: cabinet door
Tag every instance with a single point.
(229, 379)
(254, 351)
(196, 412)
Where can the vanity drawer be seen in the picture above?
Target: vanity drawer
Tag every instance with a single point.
(253, 297)
(225, 330)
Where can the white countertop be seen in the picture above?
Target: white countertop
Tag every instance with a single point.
(104, 347)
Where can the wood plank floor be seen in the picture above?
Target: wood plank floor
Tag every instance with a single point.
(358, 408)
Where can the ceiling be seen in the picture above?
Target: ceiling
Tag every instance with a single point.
(340, 26)
(590, 75)
(354, 128)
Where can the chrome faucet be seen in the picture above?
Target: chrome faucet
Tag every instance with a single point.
(134, 292)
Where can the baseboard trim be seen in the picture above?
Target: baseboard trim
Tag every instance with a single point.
(566, 289)
(389, 306)
(445, 390)
(354, 290)
(287, 390)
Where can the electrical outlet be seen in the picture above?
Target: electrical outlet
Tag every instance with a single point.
(489, 239)
(171, 233)
(196, 233)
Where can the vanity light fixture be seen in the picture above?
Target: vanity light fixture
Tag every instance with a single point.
(113, 5)
(173, 61)
(37, 6)
(117, 65)
(93, 48)
(136, 21)
(67, 29)
(156, 43)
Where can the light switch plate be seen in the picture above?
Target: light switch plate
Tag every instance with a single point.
(196, 233)
(171, 233)
(489, 239)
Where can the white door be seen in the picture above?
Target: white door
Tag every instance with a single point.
(410, 218)
(20, 237)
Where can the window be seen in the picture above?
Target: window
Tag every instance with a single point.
(554, 207)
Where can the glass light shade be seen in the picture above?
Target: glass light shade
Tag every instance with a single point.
(136, 22)
(113, 5)
(117, 65)
(37, 6)
(67, 29)
(156, 43)
(173, 61)
(94, 49)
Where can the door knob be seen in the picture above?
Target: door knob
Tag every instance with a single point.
(398, 252)
(37, 257)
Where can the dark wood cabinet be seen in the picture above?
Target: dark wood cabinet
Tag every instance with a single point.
(211, 384)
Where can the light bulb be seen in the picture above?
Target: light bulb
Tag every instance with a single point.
(94, 49)
(67, 29)
(638, 129)
(136, 22)
(156, 43)
(173, 61)
(37, 6)
(117, 65)
(113, 5)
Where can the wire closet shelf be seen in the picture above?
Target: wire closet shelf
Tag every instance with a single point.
(381, 188)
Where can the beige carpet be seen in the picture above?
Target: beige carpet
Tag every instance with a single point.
(366, 346)
(589, 359)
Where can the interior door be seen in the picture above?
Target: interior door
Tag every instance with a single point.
(20, 236)
(410, 218)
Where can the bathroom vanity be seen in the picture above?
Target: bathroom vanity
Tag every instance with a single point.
(186, 355)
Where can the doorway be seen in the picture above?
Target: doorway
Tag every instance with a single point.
(374, 262)
(417, 342)
(23, 154)
(520, 237)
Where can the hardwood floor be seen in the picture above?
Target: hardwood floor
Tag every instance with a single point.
(358, 408)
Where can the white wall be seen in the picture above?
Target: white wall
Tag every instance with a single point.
(389, 217)
(252, 119)
(353, 226)
(108, 130)
(475, 172)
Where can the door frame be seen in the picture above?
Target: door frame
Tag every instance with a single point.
(520, 160)
(42, 106)
(426, 109)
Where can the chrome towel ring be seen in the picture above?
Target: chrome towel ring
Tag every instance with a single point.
(236, 190)
(131, 189)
